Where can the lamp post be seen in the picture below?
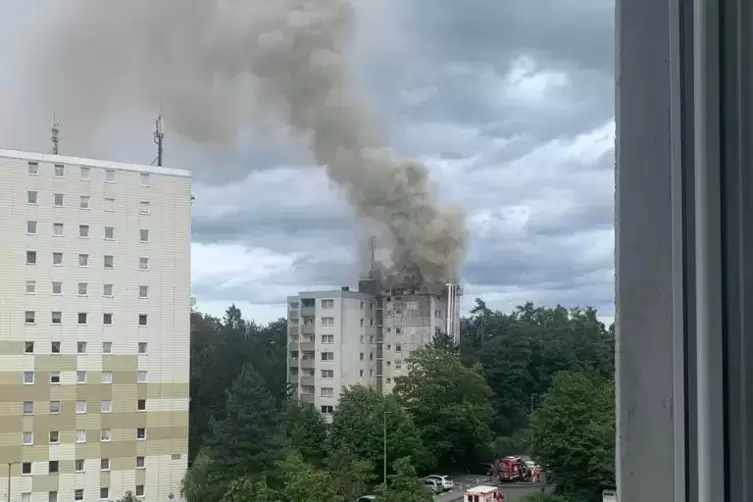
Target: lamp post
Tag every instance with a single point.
(10, 464)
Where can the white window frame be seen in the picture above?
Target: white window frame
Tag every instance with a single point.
(80, 407)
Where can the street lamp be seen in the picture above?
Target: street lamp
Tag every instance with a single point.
(10, 464)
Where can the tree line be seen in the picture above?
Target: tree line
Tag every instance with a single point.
(536, 380)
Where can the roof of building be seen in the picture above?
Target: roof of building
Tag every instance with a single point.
(104, 164)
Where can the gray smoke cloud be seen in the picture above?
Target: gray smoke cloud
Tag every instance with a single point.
(215, 64)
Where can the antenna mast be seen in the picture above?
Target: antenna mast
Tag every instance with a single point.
(159, 135)
(55, 134)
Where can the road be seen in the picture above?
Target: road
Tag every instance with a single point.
(512, 491)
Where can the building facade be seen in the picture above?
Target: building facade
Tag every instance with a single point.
(341, 338)
(94, 328)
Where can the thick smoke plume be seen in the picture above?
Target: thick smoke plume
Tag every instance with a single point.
(202, 59)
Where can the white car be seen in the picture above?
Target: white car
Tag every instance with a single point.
(444, 481)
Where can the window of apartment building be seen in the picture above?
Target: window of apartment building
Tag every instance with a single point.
(79, 465)
(107, 377)
(360, 373)
(328, 373)
(140, 462)
(81, 377)
(52, 496)
(55, 347)
(59, 170)
(83, 260)
(81, 347)
(57, 229)
(361, 356)
(54, 437)
(139, 490)
(29, 317)
(28, 407)
(144, 235)
(82, 317)
(53, 467)
(143, 319)
(104, 464)
(104, 493)
(142, 347)
(57, 288)
(109, 233)
(109, 262)
(105, 435)
(328, 304)
(143, 263)
(29, 347)
(328, 338)
(26, 468)
(371, 356)
(107, 347)
(78, 494)
(57, 259)
(55, 377)
(32, 197)
(327, 409)
(328, 356)
(27, 438)
(361, 305)
(33, 168)
(55, 407)
(141, 433)
(371, 372)
(141, 376)
(398, 348)
(141, 405)
(83, 231)
(31, 227)
(28, 377)
(85, 172)
(83, 288)
(57, 199)
(31, 257)
(83, 202)
(107, 290)
(144, 207)
(361, 322)
(107, 319)
(31, 287)
(398, 331)
(143, 291)
(110, 175)
(328, 392)
(109, 205)
(105, 406)
(81, 435)
(80, 407)
(328, 321)
(144, 177)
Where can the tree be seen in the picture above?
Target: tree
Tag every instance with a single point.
(358, 428)
(352, 476)
(250, 439)
(306, 431)
(404, 485)
(248, 490)
(303, 483)
(450, 405)
(129, 497)
(443, 341)
(574, 434)
(202, 483)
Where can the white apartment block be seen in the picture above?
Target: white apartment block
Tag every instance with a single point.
(94, 329)
(341, 338)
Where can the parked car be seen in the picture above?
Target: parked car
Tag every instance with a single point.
(366, 498)
(445, 481)
(433, 486)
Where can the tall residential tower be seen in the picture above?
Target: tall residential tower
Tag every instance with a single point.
(341, 338)
(94, 328)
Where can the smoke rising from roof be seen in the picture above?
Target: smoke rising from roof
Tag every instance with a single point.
(196, 57)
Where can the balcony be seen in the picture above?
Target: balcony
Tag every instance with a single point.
(308, 364)
(308, 311)
(307, 346)
(307, 398)
(292, 362)
(308, 329)
(292, 330)
(307, 380)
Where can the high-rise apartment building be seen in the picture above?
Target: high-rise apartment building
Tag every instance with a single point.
(341, 338)
(94, 328)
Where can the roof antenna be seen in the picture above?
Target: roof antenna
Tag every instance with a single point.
(159, 136)
(55, 134)
(373, 258)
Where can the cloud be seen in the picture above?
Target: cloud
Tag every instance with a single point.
(509, 103)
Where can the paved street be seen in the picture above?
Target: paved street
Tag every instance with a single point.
(512, 491)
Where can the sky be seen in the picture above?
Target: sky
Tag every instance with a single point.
(510, 104)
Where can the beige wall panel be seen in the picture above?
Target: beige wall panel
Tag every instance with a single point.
(55, 362)
(45, 483)
(119, 449)
(89, 421)
(104, 478)
(90, 449)
(121, 365)
(39, 452)
(140, 476)
(94, 392)
(125, 462)
(13, 347)
(18, 392)
(124, 377)
(11, 424)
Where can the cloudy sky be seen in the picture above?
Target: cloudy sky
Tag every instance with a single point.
(510, 104)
